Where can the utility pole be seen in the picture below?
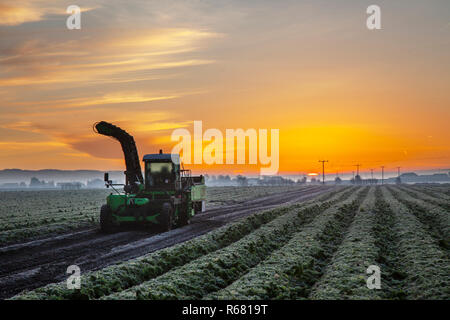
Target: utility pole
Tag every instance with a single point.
(323, 170)
(382, 174)
(357, 169)
(371, 171)
(398, 171)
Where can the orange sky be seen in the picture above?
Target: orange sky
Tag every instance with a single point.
(334, 89)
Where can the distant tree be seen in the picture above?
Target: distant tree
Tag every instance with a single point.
(338, 180)
(301, 181)
(35, 182)
(398, 180)
(358, 179)
(242, 181)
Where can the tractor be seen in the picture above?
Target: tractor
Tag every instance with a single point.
(166, 196)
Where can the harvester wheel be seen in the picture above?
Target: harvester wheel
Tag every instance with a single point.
(106, 224)
(183, 219)
(166, 218)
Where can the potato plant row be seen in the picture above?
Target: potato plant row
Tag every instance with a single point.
(344, 277)
(420, 195)
(434, 218)
(217, 270)
(390, 236)
(220, 196)
(424, 264)
(127, 274)
(291, 271)
(435, 192)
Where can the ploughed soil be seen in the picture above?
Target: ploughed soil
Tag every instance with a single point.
(36, 263)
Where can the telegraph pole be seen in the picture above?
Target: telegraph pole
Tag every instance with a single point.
(323, 170)
(357, 169)
(382, 174)
(371, 171)
(398, 171)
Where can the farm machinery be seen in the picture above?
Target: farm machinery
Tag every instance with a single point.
(166, 195)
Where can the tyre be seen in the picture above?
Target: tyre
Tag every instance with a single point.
(106, 225)
(183, 218)
(166, 217)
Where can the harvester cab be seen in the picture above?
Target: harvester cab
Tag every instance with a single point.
(168, 196)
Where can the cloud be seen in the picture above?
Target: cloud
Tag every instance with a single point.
(99, 58)
(14, 13)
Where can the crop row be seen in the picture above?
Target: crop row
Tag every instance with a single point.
(419, 194)
(434, 218)
(344, 277)
(291, 271)
(125, 275)
(435, 192)
(218, 269)
(218, 196)
(423, 267)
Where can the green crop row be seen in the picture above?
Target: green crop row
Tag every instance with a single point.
(424, 197)
(434, 218)
(345, 277)
(216, 270)
(218, 196)
(127, 274)
(425, 265)
(433, 192)
(291, 271)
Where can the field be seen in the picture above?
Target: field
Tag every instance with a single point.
(26, 215)
(314, 249)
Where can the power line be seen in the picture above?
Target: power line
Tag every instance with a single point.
(323, 170)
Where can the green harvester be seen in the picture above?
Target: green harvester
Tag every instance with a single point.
(166, 195)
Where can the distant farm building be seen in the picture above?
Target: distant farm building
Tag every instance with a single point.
(70, 185)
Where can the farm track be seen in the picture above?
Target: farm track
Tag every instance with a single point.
(37, 263)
